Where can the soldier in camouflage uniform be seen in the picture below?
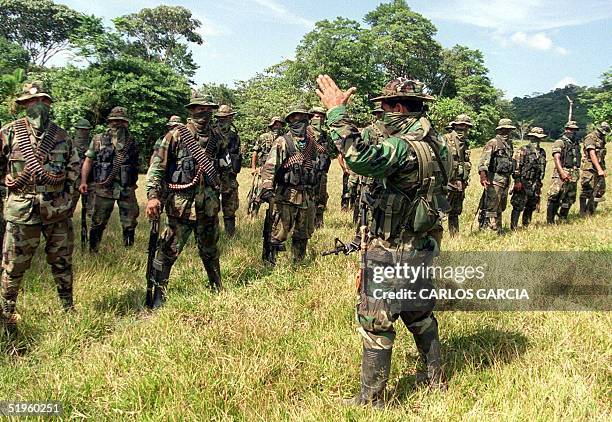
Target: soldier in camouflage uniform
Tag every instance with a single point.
(593, 169)
(529, 168)
(460, 174)
(495, 169)
(231, 167)
(41, 197)
(3, 193)
(562, 191)
(179, 168)
(81, 142)
(412, 161)
(113, 156)
(288, 181)
(323, 162)
(260, 152)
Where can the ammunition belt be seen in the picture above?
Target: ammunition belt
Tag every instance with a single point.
(117, 161)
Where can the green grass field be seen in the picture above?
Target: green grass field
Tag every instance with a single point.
(281, 344)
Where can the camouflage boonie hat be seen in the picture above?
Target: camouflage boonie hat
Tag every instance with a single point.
(404, 87)
(462, 119)
(505, 124)
(604, 127)
(202, 99)
(572, 125)
(378, 110)
(82, 124)
(32, 89)
(319, 110)
(174, 120)
(296, 110)
(225, 111)
(274, 120)
(537, 132)
(118, 113)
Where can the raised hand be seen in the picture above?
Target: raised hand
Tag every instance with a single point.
(329, 93)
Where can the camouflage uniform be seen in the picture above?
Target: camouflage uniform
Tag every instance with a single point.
(260, 151)
(460, 173)
(593, 186)
(562, 194)
(36, 205)
(293, 188)
(401, 159)
(232, 163)
(497, 165)
(323, 163)
(81, 142)
(103, 151)
(191, 209)
(529, 168)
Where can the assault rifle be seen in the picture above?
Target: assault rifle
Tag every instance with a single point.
(152, 249)
(342, 248)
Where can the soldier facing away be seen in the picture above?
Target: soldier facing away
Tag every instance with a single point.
(186, 169)
(404, 159)
(460, 173)
(288, 181)
(562, 191)
(593, 169)
(41, 172)
(113, 155)
(231, 167)
(529, 168)
(495, 169)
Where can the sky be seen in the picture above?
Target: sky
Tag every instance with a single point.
(529, 46)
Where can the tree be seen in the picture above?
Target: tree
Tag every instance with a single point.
(221, 93)
(599, 100)
(160, 34)
(404, 42)
(41, 27)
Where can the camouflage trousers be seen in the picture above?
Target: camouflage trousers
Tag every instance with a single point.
(523, 200)
(593, 186)
(177, 233)
(495, 204)
(455, 200)
(289, 218)
(563, 193)
(229, 195)
(321, 195)
(350, 190)
(2, 220)
(20, 244)
(103, 208)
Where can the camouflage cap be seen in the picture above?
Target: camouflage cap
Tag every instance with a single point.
(404, 87)
(296, 110)
(319, 110)
(225, 111)
(274, 120)
(174, 120)
(32, 89)
(505, 124)
(82, 124)
(572, 125)
(604, 127)
(202, 99)
(462, 119)
(118, 113)
(537, 132)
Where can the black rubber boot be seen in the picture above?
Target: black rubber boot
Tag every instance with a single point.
(563, 214)
(428, 345)
(298, 249)
(318, 219)
(375, 368)
(584, 209)
(551, 212)
(514, 218)
(160, 285)
(527, 214)
(230, 226)
(95, 236)
(66, 298)
(213, 269)
(269, 256)
(453, 224)
(159, 296)
(128, 237)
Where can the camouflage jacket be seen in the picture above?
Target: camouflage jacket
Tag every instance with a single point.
(570, 154)
(168, 162)
(496, 161)
(102, 150)
(529, 164)
(293, 184)
(461, 161)
(262, 146)
(81, 145)
(231, 146)
(595, 141)
(36, 204)
(393, 161)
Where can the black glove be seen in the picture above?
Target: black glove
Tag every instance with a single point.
(266, 195)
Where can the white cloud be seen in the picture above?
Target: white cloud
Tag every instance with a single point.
(281, 12)
(539, 41)
(211, 29)
(568, 80)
